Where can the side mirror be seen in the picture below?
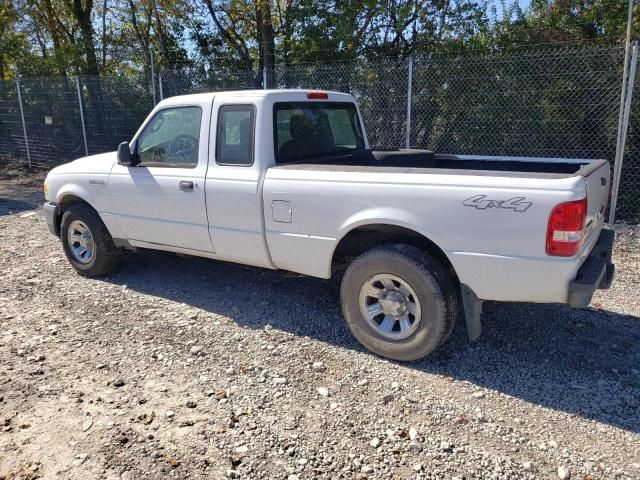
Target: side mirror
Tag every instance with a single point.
(124, 155)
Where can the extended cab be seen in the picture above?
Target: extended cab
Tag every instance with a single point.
(286, 180)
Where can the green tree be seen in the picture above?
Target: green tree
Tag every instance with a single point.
(14, 46)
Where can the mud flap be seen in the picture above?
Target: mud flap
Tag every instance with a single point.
(472, 311)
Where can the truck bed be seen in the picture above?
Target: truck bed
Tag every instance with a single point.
(430, 162)
(496, 250)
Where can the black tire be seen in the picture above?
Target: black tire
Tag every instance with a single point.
(106, 257)
(430, 281)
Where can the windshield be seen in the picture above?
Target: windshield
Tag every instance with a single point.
(306, 130)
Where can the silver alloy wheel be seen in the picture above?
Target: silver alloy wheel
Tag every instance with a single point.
(80, 242)
(390, 305)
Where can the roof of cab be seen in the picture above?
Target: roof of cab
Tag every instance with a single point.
(200, 97)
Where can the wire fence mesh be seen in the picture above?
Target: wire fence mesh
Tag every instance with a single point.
(52, 119)
(12, 140)
(114, 109)
(560, 103)
(557, 102)
(628, 207)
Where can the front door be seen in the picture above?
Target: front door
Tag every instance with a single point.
(162, 199)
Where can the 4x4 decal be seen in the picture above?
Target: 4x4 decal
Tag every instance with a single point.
(481, 202)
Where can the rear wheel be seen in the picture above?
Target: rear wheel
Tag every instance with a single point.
(399, 302)
(87, 242)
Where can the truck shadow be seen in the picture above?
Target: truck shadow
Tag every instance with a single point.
(583, 363)
(11, 206)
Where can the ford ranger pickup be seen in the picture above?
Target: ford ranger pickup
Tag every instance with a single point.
(285, 179)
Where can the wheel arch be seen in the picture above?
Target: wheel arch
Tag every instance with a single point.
(366, 236)
(74, 194)
(68, 199)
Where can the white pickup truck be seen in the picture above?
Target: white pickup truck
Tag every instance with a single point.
(285, 179)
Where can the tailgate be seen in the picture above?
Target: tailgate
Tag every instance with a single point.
(597, 183)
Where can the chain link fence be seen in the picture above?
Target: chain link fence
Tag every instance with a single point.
(628, 207)
(557, 102)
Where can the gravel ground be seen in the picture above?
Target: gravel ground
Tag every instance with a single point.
(180, 367)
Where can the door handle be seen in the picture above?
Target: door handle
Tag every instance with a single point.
(186, 186)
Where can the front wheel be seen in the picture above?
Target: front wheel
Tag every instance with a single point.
(87, 242)
(399, 302)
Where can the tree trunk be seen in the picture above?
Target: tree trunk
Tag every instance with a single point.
(104, 33)
(83, 17)
(266, 39)
(142, 36)
(55, 38)
(94, 86)
(162, 40)
(230, 36)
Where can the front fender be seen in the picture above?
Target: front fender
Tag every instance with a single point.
(91, 190)
(73, 190)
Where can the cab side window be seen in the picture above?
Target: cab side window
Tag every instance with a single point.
(171, 138)
(234, 137)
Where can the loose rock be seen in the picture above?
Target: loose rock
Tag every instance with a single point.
(318, 367)
(564, 473)
(414, 446)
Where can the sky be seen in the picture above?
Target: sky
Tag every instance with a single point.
(524, 4)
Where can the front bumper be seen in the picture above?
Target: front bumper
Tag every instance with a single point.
(596, 273)
(51, 211)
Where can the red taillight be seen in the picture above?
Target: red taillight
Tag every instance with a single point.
(564, 231)
(317, 95)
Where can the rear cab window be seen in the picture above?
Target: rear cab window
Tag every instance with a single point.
(235, 134)
(308, 130)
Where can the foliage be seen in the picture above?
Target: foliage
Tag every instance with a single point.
(69, 37)
(14, 45)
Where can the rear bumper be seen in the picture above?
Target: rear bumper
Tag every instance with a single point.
(596, 273)
(51, 211)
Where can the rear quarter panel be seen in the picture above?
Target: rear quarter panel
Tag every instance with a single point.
(499, 252)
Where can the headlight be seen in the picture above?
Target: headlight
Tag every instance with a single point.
(45, 188)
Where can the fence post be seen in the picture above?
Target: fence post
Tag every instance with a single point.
(409, 95)
(160, 86)
(617, 170)
(153, 77)
(24, 125)
(84, 130)
(625, 72)
(264, 77)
